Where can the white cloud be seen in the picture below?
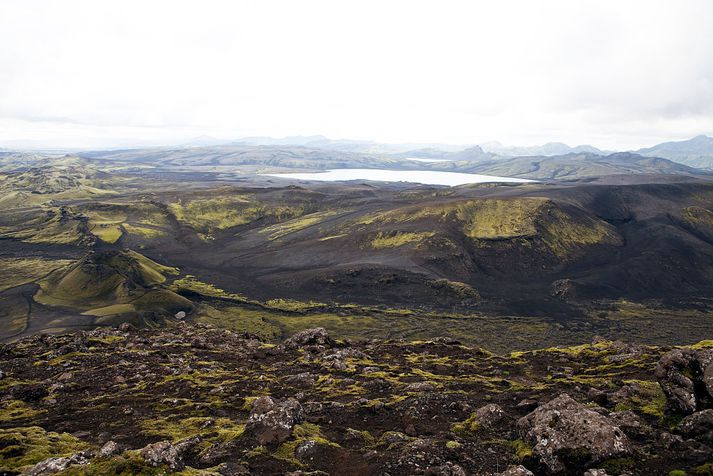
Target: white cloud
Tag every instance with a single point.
(615, 74)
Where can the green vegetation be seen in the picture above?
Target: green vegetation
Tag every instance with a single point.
(468, 426)
(22, 447)
(191, 283)
(17, 410)
(104, 284)
(499, 218)
(699, 218)
(143, 231)
(461, 290)
(397, 238)
(522, 449)
(107, 232)
(128, 464)
(238, 319)
(703, 470)
(211, 214)
(564, 233)
(110, 310)
(19, 271)
(211, 429)
(301, 433)
(51, 226)
(292, 305)
(649, 400)
(105, 222)
(285, 228)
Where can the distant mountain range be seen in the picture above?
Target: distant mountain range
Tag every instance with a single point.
(580, 165)
(548, 161)
(547, 150)
(696, 152)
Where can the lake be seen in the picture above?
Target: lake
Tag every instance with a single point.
(428, 177)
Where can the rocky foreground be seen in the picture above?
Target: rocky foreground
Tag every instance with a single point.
(193, 399)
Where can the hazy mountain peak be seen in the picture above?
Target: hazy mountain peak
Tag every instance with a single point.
(547, 149)
(696, 151)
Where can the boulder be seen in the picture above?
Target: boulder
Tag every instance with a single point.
(489, 415)
(420, 387)
(168, 453)
(595, 472)
(56, 464)
(49, 466)
(563, 289)
(271, 421)
(306, 451)
(686, 378)
(698, 426)
(316, 336)
(566, 434)
(110, 448)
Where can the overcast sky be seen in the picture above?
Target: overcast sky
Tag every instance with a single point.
(615, 74)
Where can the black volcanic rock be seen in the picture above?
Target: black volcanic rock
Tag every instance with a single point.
(564, 432)
(165, 405)
(686, 377)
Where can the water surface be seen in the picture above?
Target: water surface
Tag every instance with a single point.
(429, 177)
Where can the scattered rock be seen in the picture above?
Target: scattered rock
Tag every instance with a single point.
(564, 427)
(518, 470)
(56, 465)
(272, 422)
(80, 458)
(595, 472)
(633, 426)
(306, 451)
(563, 289)
(65, 377)
(49, 466)
(233, 469)
(526, 405)
(597, 396)
(420, 387)
(304, 379)
(447, 469)
(446, 340)
(489, 415)
(316, 336)
(669, 440)
(110, 448)
(180, 315)
(394, 437)
(170, 454)
(698, 426)
(686, 377)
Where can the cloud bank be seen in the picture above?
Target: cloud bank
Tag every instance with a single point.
(610, 73)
